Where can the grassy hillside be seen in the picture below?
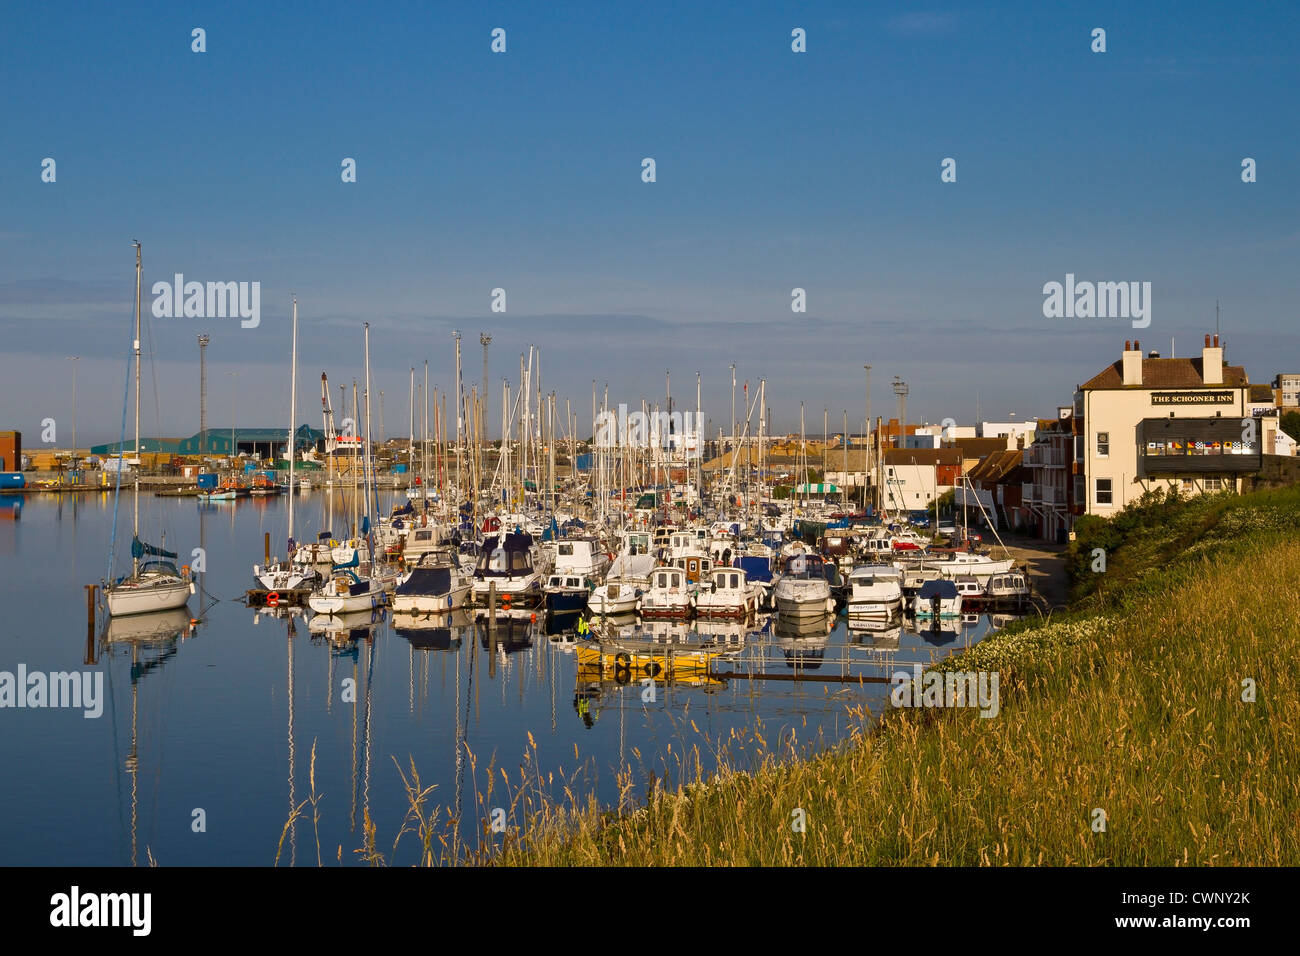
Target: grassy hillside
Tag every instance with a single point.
(1132, 703)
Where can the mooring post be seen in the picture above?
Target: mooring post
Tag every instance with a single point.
(90, 624)
(492, 629)
(266, 549)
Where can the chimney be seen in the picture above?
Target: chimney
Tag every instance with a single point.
(1212, 362)
(1132, 367)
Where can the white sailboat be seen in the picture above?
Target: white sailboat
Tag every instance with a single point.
(347, 590)
(154, 583)
(288, 575)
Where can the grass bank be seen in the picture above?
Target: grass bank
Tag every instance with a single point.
(1130, 704)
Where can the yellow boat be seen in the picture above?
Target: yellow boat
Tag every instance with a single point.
(627, 661)
(593, 675)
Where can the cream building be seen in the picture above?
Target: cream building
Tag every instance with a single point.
(1147, 422)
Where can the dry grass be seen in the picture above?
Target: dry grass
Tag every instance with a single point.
(1140, 716)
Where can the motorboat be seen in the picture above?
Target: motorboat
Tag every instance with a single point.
(937, 599)
(668, 594)
(728, 594)
(875, 592)
(802, 590)
(434, 585)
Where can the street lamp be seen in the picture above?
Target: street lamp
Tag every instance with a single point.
(73, 360)
(233, 393)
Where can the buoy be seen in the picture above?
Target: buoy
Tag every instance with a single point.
(533, 617)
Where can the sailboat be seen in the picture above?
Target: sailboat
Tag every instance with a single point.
(154, 583)
(346, 590)
(288, 575)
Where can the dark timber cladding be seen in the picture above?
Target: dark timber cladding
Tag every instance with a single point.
(1198, 446)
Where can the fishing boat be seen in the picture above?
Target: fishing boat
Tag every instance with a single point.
(1008, 589)
(229, 489)
(937, 599)
(154, 583)
(668, 594)
(434, 585)
(729, 594)
(970, 589)
(875, 592)
(264, 485)
(802, 590)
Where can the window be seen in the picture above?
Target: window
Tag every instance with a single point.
(566, 550)
(1103, 444)
(1078, 448)
(1103, 491)
(1212, 483)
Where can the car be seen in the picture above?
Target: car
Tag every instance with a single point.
(947, 529)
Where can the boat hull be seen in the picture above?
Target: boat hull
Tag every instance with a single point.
(453, 600)
(124, 600)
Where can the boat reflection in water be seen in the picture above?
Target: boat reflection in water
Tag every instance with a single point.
(728, 634)
(151, 640)
(803, 640)
(879, 635)
(433, 632)
(512, 631)
(347, 628)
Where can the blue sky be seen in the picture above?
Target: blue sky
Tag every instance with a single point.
(522, 171)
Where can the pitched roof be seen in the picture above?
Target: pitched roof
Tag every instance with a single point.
(978, 447)
(922, 456)
(996, 466)
(1261, 393)
(1167, 373)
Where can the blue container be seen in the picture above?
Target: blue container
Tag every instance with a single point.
(12, 479)
(207, 482)
(399, 469)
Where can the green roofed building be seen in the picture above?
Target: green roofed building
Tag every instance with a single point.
(258, 442)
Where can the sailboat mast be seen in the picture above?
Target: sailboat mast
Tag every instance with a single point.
(365, 448)
(135, 517)
(293, 415)
(410, 447)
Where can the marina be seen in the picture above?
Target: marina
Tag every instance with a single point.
(220, 704)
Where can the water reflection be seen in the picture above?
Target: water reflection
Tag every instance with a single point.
(150, 641)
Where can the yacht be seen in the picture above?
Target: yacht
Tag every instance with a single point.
(937, 599)
(802, 590)
(434, 585)
(628, 577)
(506, 562)
(875, 592)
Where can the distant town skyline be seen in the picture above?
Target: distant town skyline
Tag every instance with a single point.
(523, 171)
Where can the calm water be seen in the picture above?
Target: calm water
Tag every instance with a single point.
(222, 717)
